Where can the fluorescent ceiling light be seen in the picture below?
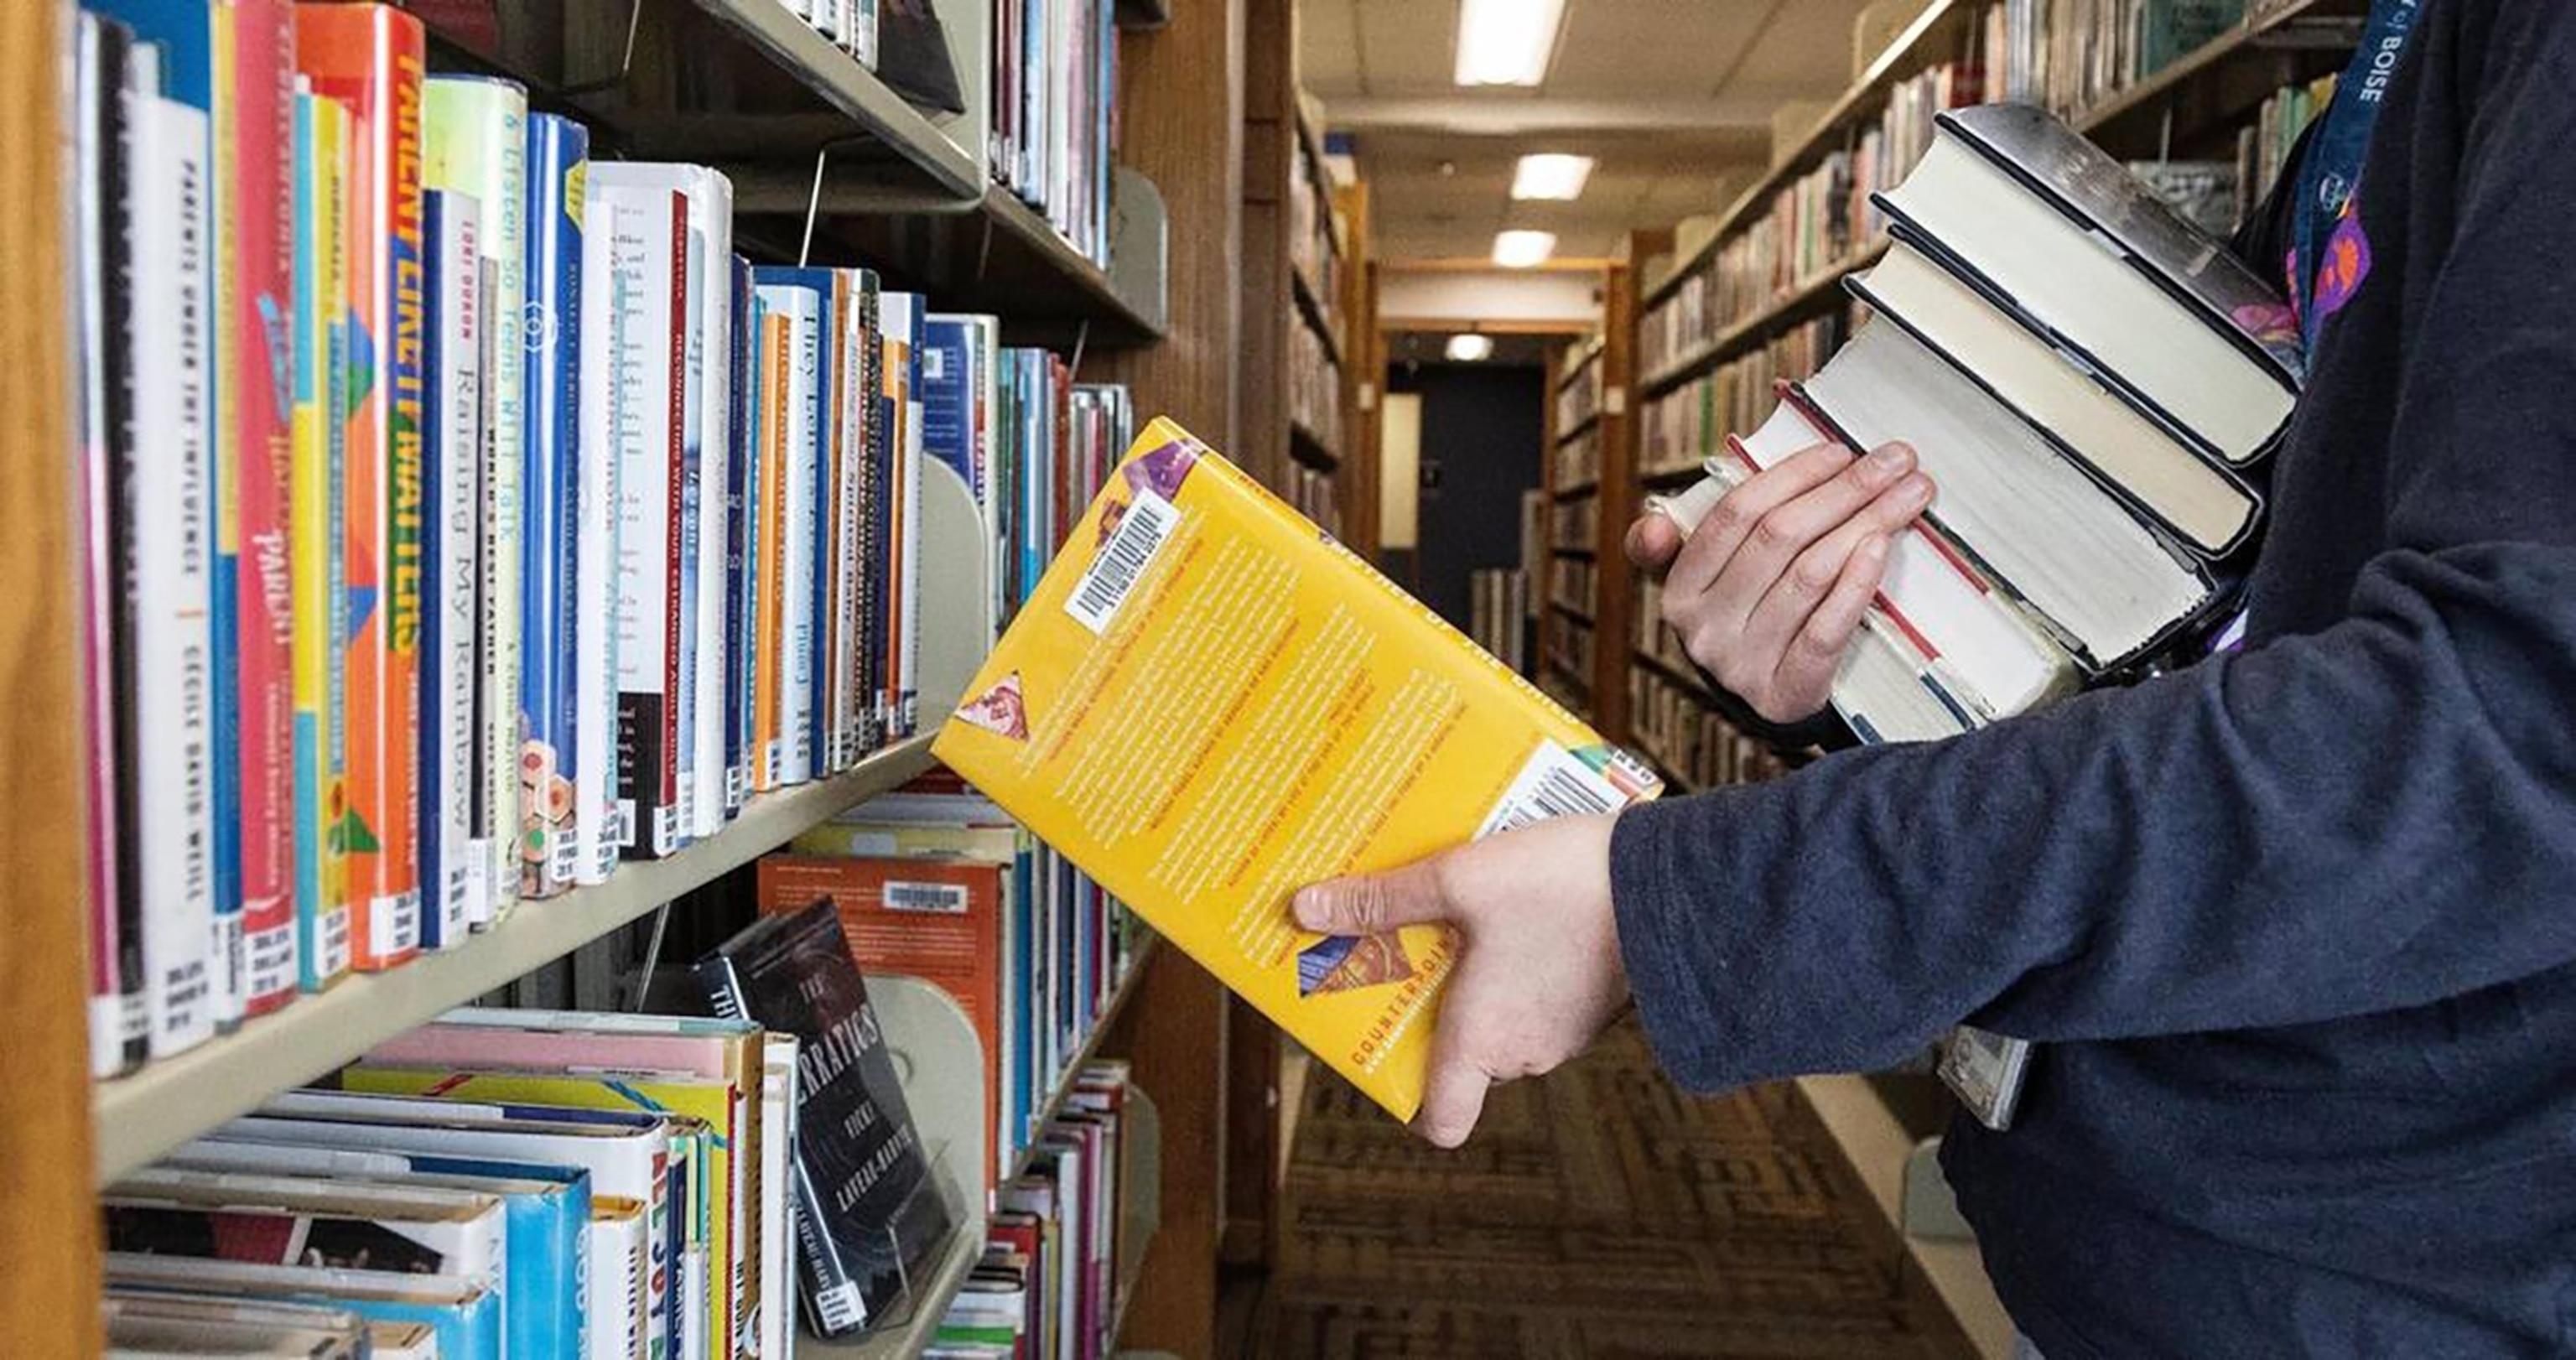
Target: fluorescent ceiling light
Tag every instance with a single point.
(1471, 349)
(1523, 249)
(1507, 42)
(1551, 175)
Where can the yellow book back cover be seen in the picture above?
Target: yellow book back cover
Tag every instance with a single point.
(1208, 704)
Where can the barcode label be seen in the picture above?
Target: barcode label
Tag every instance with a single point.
(943, 899)
(840, 1308)
(1552, 783)
(335, 944)
(1115, 572)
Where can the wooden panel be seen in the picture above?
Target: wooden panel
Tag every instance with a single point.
(1363, 377)
(48, 1226)
(1181, 106)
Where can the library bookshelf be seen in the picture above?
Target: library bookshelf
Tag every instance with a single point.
(2189, 109)
(831, 167)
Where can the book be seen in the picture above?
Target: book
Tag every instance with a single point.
(464, 1315)
(474, 143)
(940, 920)
(451, 617)
(718, 320)
(318, 511)
(661, 391)
(254, 138)
(903, 315)
(869, 1213)
(1206, 704)
(611, 408)
(140, 1325)
(2022, 207)
(739, 628)
(370, 56)
(301, 1220)
(779, 1099)
(119, 1026)
(167, 692)
(550, 622)
(545, 1219)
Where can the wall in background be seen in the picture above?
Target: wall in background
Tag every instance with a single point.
(1482, 427)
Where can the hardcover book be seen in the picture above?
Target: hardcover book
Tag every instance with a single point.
(558, 160)
(464, 1315)
(1207, 704)
(318, 508)
(869, 1214)
(452, 473)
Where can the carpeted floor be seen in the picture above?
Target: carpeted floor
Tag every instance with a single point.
(1598, 1213)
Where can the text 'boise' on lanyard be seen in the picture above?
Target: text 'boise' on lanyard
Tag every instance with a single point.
(2335, 153)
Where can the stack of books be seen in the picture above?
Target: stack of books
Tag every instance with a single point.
(2088, 414)
(556, 1183)
(463, 515)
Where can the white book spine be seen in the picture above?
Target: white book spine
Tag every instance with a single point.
(604, 321)
(505, 244)
(801, 521)
(711, 214)
(170, 315)
(777, 1320)
(651, 232)
(614, 1326)
(687, 523)
(452, 879)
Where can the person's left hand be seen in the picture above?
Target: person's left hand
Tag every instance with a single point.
(1538, 973)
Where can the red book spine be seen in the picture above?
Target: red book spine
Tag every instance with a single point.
(256, 125)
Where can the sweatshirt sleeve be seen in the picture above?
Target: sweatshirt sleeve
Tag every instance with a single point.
(2373, 815)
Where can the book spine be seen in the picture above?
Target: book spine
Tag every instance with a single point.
(476, 145)
(605, 402)
(883, 425)
(168, 690)
(452, 467)
(740, 460)
(118, 1025)
(673, 558)
(907, 639)
(317, 502)
(800, 601)
(254, 131)
(777, 406)
(652, 245)
(558, 157)
(370, 57)
(711, 276)
(682, 717)
(830, 640)
(848, 710)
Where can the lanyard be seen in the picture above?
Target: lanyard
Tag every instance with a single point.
(2336, 151)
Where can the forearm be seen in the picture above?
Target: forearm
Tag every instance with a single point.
(2366, 818)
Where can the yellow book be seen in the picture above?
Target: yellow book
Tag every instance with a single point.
(1209, 704)
(318, 595)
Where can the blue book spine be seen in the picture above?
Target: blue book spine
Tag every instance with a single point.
(550, 509)
(947, 403)
(737, 503)
(438, 929)
(549, 1246)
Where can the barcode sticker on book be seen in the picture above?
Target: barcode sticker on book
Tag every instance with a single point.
(1552, 783)
(1130, 552)
(943, 899)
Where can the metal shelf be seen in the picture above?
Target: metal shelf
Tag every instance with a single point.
(139, 1117)
(1578, 429)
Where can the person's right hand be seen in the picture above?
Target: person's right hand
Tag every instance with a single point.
(1767, 592)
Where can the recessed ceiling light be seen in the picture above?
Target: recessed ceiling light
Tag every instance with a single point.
(1551, 175)
(1523, 249)
(1507, 42)
(1471, 348)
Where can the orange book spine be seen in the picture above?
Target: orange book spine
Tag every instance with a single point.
(371, 58)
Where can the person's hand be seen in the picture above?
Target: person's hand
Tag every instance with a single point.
(1538, 972)
(1769, 589)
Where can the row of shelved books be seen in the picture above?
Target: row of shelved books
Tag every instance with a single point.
(1571, 582)
(1674, 724)
(1569, 648)
(1579, 400)
(2264, 147)
(1312, 492)
(1576, 525)
(1498, 614)
(1314, 387)
(2089, 383)
(2060, 54)
(1055, 112)
(1314, 234)
(934, 881)
(573, 1184)
(462, 515)
(1578, 460)
(1688, 425)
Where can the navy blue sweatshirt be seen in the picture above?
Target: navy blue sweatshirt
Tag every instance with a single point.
(2296, 926)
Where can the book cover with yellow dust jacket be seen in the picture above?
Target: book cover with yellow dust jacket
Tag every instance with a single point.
(1209, 704)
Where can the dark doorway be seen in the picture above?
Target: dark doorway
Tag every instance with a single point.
(1482, 430)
